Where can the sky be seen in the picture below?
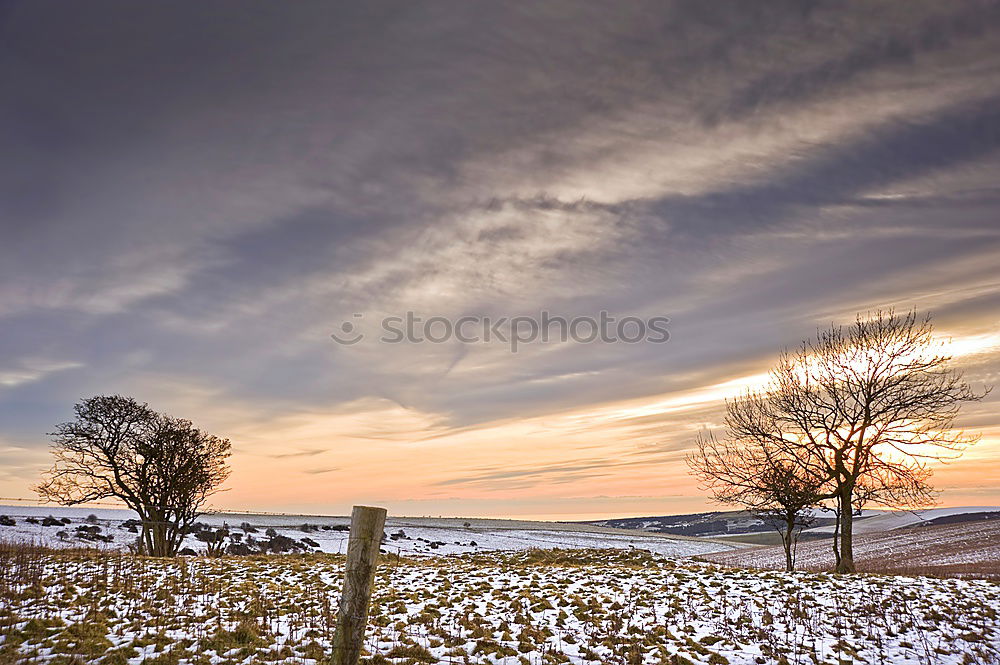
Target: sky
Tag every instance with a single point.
(195, 196)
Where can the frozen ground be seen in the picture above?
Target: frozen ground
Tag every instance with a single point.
(965, 548)
(537, 607)
(407, 536)
(887, 521)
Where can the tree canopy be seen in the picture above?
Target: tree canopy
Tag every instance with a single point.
(161, 467)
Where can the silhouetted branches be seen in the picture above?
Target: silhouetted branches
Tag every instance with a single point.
(859, 410)
(161, 467)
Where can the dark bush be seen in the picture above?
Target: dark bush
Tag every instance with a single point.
(282, 544)
(214, 540)
(240, 549)
(92, 533)
(7, 521)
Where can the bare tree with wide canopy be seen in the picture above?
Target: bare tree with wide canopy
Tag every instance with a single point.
(161, 467)
(864, 407)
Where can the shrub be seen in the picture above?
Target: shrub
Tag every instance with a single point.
(413, 652)
(243, 635)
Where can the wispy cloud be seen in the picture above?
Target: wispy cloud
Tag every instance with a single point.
(302, 453)
(193, 229)
(30, 370)
(315, 472)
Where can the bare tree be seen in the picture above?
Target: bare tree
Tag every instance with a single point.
(751, 474)
(866, 407)
(163, 468)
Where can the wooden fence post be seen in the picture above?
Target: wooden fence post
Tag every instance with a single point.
(359, 572)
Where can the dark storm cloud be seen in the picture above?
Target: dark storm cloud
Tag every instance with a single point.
(194, 195)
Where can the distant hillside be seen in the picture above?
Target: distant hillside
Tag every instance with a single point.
(960, 518)
(890, 520)
(713, 524)
(738, 522)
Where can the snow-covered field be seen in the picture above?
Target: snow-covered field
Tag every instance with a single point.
(899, 519)
(520, 608)
(407, 536)
(965, 548)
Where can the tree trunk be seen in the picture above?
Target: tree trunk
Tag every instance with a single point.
(177, 533)
(786, 540)
(836, 538)
(846, 563)
(146, 537)
(160, 541)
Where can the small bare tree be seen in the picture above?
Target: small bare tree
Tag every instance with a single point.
(865, 407)
(751, 474)
(163, 468)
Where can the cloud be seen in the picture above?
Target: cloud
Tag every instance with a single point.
(30, 370)
(548, 474)
(302, 453)
(316, 472)
(190, 219)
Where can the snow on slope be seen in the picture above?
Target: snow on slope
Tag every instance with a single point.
(887, 521)
(967, 547)
(404, 535)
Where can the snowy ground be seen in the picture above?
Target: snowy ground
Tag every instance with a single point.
(527, 608)
(965, 548)
(899, 519)
(407, 536)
